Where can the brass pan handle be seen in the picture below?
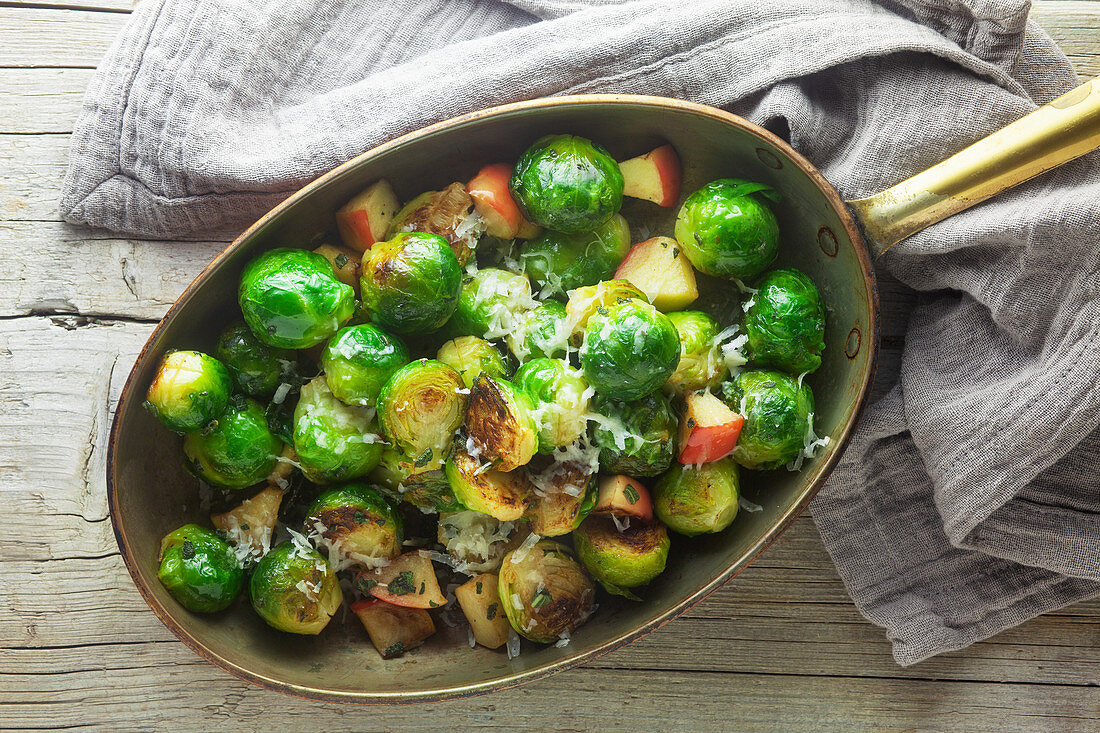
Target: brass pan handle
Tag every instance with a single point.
(1058, 132)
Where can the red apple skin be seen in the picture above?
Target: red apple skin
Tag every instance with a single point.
(364, 220)
(365, 603)
(422, 573)
(613, 498)
(493, 200)
(708, 429)
(654, 176)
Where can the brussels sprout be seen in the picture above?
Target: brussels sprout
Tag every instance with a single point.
(567, 183)
(542, 332)
(358, 360)
(291, 298)
(500, 419)
(237, 450)
(199, 569)
(471, 356)
(545, 593)
(503, 496)
(636, 438)
(557, 262)
(425, 488)
(695, 501)
(420, 409)
(701, 364)
(785, 322)
(294, 589)
(189, 390)
(629, 350)
(727, 231)
(334, 441)
(777, 417)
(561, 398)
(446, 213)
(620, 560)
(256, 368)
(410, 283)
(355, 522)
(491, 303)
(584, 302)
(568, 492)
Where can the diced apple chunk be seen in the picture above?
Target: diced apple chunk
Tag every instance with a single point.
(345, 263)
(393, 630)
(493, 200)
(481, 605)
(654, 176)
(708, 429)
(409, 580)
(659, 268)
(624, 497)
(364, 220)
(252, 522)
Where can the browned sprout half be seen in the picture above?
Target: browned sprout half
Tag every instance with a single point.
(477, 486)
(545, 592)
(500, 420)
(446, 213)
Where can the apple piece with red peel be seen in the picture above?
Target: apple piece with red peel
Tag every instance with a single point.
(393, 629)
(365, 219)
(654, 176)
(660, 269)
(624, 497)
(493, 200)
(708, 429)
(409, 580)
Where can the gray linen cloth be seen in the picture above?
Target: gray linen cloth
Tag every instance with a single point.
(968, 500)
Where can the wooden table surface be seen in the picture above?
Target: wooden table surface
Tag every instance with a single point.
(779, 647)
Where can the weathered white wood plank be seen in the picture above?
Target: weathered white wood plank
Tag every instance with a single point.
(56, 38)
(1075, 25)
(32, 168)
(35, 101)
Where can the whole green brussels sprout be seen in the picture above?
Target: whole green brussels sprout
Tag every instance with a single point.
(622, 559)
(542, 332)
(567, 183)
(630, 349)
(636, 438)
(425, 488)
(561, 398)
(585, 302)
(189, 390)
(335, 441)
(358, 360)
(694, 501)
(727, 231)
(500, 419)
(471, 356)
(785, 322)
(257, 369)
(199, 569)
(410, 283)
(235, 451)
(701, 364)
(356, 523)
(293, 589)
(777, 417)
(420, 408)
(291, 298)
(544, 592)
(490, 303)
(558, 262)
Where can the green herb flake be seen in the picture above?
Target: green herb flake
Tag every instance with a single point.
(244, 527)
(402, 585)
(188, 550)
(491, 613)
(478, 587)
(341, 259)
(360, 517)
(433, 604)
(394, 649)
(631, 494)
(423, 459)
(365, 584)
(542, 597)
(421, 591)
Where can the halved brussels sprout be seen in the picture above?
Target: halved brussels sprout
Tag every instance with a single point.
(629, 350)
(291, 298)
(701, 364)
(410, 283)
(335, 442)
(785, 322)
(558, 262)
(567, 183)
(777, 417)
(358, 360)
(256, 368)
(294, 589)
(500, 419)
(447, 213)
(235, 451)
(727, 230)
(565, 494)
(622, 559)
(470, 356)
(545, 592)
(491, 303)
(425, 488)
(356, 523)
(420, 409)
(199, 569)
(189, 390)
(585, 302)
(542, 332)
(636, 438)
(561, 398)
(701, 500)
(477, 541)
(477, 486)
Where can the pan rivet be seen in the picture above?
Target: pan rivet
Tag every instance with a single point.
(827, 241)
(851, 346)
(768, 158)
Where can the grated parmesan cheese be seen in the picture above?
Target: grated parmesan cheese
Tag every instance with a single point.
(810, 443)
(520, 552)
